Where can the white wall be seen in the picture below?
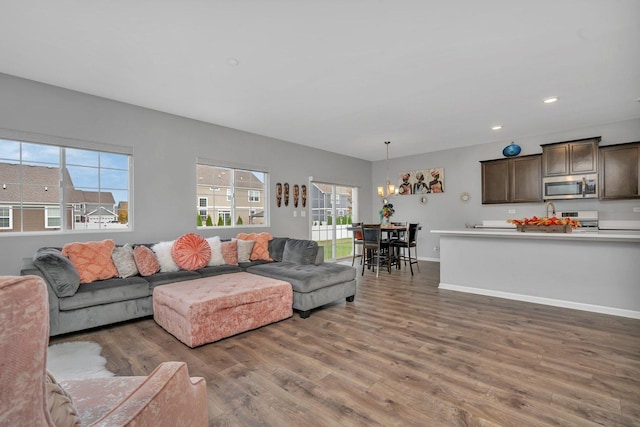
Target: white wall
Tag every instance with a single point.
(165, 150)
(463, 174)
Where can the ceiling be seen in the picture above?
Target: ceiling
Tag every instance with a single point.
(343, 76)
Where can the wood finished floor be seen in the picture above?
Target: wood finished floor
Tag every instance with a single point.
(405, 353)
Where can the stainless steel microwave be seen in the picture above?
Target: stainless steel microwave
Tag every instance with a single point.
(570, 187)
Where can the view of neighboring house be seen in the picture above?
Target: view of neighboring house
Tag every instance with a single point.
(30, 201)
(321, 202)
(230, 197)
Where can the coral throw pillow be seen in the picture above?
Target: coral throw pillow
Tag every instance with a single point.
(146, 260)
(92, 260)
(260, 249)
(230, 252)
(191, 251)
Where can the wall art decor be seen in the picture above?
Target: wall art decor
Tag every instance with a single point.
(278, 194)
(286, 194)
(423, 181)
(304, 196)
(296, 195)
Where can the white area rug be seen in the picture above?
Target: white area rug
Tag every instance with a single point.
(76, 361)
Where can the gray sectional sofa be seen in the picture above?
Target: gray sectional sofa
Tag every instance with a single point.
(74, 308)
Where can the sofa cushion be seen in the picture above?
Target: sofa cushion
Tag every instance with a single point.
(216, 270)
(276, 248)
(125, 262)
(191, 251)
(163, 253)
(170, 277)
(105, 292)
(306, 277)
(230, 252)
(216, 251)
(146, 260)
(92, 259)
(58, 270)
(300, 251)
(244, 250)
(261, 247)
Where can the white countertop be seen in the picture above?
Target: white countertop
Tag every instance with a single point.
(601, 236)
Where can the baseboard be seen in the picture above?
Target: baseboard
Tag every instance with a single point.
(428, 259)
(545, 301)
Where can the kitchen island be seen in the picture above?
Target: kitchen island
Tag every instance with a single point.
(592, 271)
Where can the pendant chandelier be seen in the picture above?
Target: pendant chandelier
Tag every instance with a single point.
(388, 190)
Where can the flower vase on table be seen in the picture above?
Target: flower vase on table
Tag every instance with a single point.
(386, 213)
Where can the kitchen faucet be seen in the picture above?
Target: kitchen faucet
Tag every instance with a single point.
(553, 208)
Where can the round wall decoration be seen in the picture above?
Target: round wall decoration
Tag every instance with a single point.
(465, 196)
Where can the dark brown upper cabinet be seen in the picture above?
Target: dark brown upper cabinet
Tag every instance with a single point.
(619, 171)
(570, 157)
(513, 180)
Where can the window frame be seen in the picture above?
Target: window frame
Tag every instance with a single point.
(68, 214)
(233, 209)
(253, 196)
(9, 216)
(48, 216)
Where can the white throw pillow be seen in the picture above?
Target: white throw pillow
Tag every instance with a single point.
(163, 253)
(216, 251)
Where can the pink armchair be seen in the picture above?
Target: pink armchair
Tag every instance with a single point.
(167, 397)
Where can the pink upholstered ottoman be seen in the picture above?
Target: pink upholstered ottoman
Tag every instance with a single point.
(205, 310)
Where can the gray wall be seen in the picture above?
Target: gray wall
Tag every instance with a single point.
(462, 174)
(165, 151)
(166, 147)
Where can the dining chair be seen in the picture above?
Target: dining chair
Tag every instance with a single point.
(358, 242)
(397, 234)
(375, 250)
(408, 241)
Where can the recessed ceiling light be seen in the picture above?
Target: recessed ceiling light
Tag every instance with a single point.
(497, 127)
(550, 100)
(233, 61)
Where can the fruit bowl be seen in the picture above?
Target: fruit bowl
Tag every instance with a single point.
(545, 225)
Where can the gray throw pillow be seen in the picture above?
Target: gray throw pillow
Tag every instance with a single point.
(276, 248)
(58, 270)
(300, 251)
(123, 259)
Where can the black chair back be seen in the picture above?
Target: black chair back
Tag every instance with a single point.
(372, 234)
(413, 232)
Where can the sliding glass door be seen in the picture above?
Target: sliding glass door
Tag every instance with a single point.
(333, 209)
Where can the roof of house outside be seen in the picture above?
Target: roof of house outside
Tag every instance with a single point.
(34, 178)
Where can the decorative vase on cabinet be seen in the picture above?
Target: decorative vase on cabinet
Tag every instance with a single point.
(511, 150)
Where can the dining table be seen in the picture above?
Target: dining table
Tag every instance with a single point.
(390, 230)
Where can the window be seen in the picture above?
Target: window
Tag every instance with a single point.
(6, 218)
(203, 203)
(235, 195)
(254, 196)
(61, 188)
(52, 217)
